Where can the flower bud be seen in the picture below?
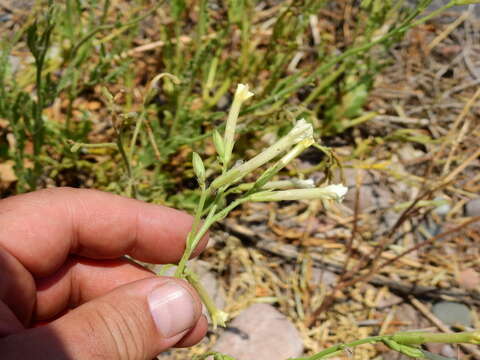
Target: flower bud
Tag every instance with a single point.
(198, 167)
(218, 143)
(242, 94)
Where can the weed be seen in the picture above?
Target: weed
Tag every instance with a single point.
(296, 69)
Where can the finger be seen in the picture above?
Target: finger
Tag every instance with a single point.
(17, 290)
(41, 228)
(9, 324)
(194, 335)
(135, 321)
(81, 280)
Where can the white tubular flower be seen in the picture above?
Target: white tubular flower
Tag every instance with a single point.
(301, 131)
(242, 94)
(288, 184)
(331, 192)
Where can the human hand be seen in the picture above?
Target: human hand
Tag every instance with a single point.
(62, 265)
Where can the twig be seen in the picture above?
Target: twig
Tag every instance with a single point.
(455, 140)
(373, 269)
(450, 28)
(431, 240)
(401, 120)
(290, 252)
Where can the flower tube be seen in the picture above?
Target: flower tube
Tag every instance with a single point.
(301, 131)
(331, 192)
(242, 94)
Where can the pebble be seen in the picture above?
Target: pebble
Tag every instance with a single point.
(469, 279)
(443, 208)
(452, 313)
(442, 350)
(260, 332)
(472, 208)
(323, 277)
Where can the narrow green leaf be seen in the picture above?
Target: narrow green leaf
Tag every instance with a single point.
(178, 7)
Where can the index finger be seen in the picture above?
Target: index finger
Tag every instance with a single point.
(42, 228)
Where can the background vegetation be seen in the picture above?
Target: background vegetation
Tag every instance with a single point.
(392, 97)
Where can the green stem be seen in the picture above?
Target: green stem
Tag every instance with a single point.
(209, 221)
(192, 241)
(417, 337)
(199, 210)
(136, 131)
(401, 338)
(341, 347)
(77, 145)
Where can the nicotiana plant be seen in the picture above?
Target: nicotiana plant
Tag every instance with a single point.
(213, 206)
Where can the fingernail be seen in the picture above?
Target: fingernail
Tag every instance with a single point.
(172, 308)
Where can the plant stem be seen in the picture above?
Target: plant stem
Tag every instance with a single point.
(136, 131)
(417, 337)
(401, 338)
(209, 221)
(200, 206)
(341, 347)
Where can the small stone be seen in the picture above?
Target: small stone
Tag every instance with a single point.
(472, 208)
(452, 313)
(448, 351)
(323, 277)
(469, 279)
(443, 207)
(260, 332)
(442, 349)
(410, 318)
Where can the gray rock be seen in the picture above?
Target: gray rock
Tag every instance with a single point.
(472, 208)
(260, 333)
(442, 350)
(452, 313)
(443, 207)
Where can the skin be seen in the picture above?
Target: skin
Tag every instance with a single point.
(66, 289)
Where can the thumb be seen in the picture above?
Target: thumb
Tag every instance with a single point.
(134, 321)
